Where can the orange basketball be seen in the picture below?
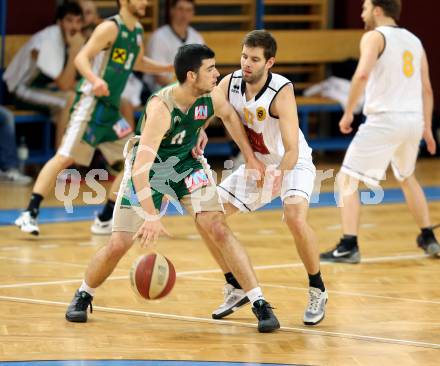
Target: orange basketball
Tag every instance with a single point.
(152, 276)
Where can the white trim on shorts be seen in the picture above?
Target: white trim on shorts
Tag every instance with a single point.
(78, 122)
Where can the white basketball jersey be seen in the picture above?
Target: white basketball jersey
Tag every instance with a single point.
(261, 127)
(395, 83)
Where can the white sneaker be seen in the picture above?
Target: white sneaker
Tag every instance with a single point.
(315, 311)
(101, 227)
(27, 223)
(234, 299)
(15, 176)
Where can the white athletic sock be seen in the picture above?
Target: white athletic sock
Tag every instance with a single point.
(255, 294)
(85, 287)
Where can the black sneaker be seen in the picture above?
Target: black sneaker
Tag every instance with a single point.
(429, 244)
(267, 321)
(341, 254)
(77, 310)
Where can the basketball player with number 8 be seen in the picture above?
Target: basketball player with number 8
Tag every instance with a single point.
(393, 71)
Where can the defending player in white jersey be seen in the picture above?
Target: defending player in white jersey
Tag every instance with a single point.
(393, 71)
(267, 107)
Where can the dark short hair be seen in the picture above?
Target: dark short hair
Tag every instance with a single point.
(262, 39)
(189, 57)
(391, 8)
(68, 8)
(173, 3)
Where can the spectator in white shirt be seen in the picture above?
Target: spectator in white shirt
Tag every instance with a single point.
(166, 40)
(42, 72)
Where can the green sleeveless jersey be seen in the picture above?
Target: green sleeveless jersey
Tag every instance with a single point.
(115, 64)
(175, 172)
(182, 136)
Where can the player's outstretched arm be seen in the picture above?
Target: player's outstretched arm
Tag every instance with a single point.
(156, 125)
(102, 37)
(284, 107)
(371, 46)
(224, 110)
(428, 105)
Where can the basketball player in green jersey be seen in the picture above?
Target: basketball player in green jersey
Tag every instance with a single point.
(160, 162)
(116, 47)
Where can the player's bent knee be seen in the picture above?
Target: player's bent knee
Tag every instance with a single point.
(220, 231)
(346, 184)
(204, 219)
(296, 223)
(295, 217)
(407, 180)
(214, 224)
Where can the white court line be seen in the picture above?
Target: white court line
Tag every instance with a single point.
(184, 274)
(300, 264)
(189, 273)
(61, 282)
(339, 226)
(8, 249)
(37, 261)
(390, 258)
(48, 246)
(358, 337)
(344, 293)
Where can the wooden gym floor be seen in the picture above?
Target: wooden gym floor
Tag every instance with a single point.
(383, 311)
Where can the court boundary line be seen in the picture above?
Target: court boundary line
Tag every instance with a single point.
(337, 292)
(189, 273)
(356, 337)
(268, 285)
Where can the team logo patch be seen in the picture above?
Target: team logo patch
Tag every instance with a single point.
(261, 114)
(177, 119)
(201, 112)
(196, 180)
(122, 128)
(124, 34)
(119, 55)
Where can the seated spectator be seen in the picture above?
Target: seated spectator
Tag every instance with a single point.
(91, 17)
(166, 40)
(42, 73)
(8, 151)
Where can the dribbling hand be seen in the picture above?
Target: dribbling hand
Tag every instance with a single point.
(149, 232)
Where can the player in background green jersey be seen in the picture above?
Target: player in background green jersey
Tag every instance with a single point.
(113, 50)
(159, 162)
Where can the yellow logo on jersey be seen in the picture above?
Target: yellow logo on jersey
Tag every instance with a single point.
(261, 114)
(408, 64)
(119, 55)
(248, 117)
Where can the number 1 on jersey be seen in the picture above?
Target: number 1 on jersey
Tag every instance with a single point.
(178, 139)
